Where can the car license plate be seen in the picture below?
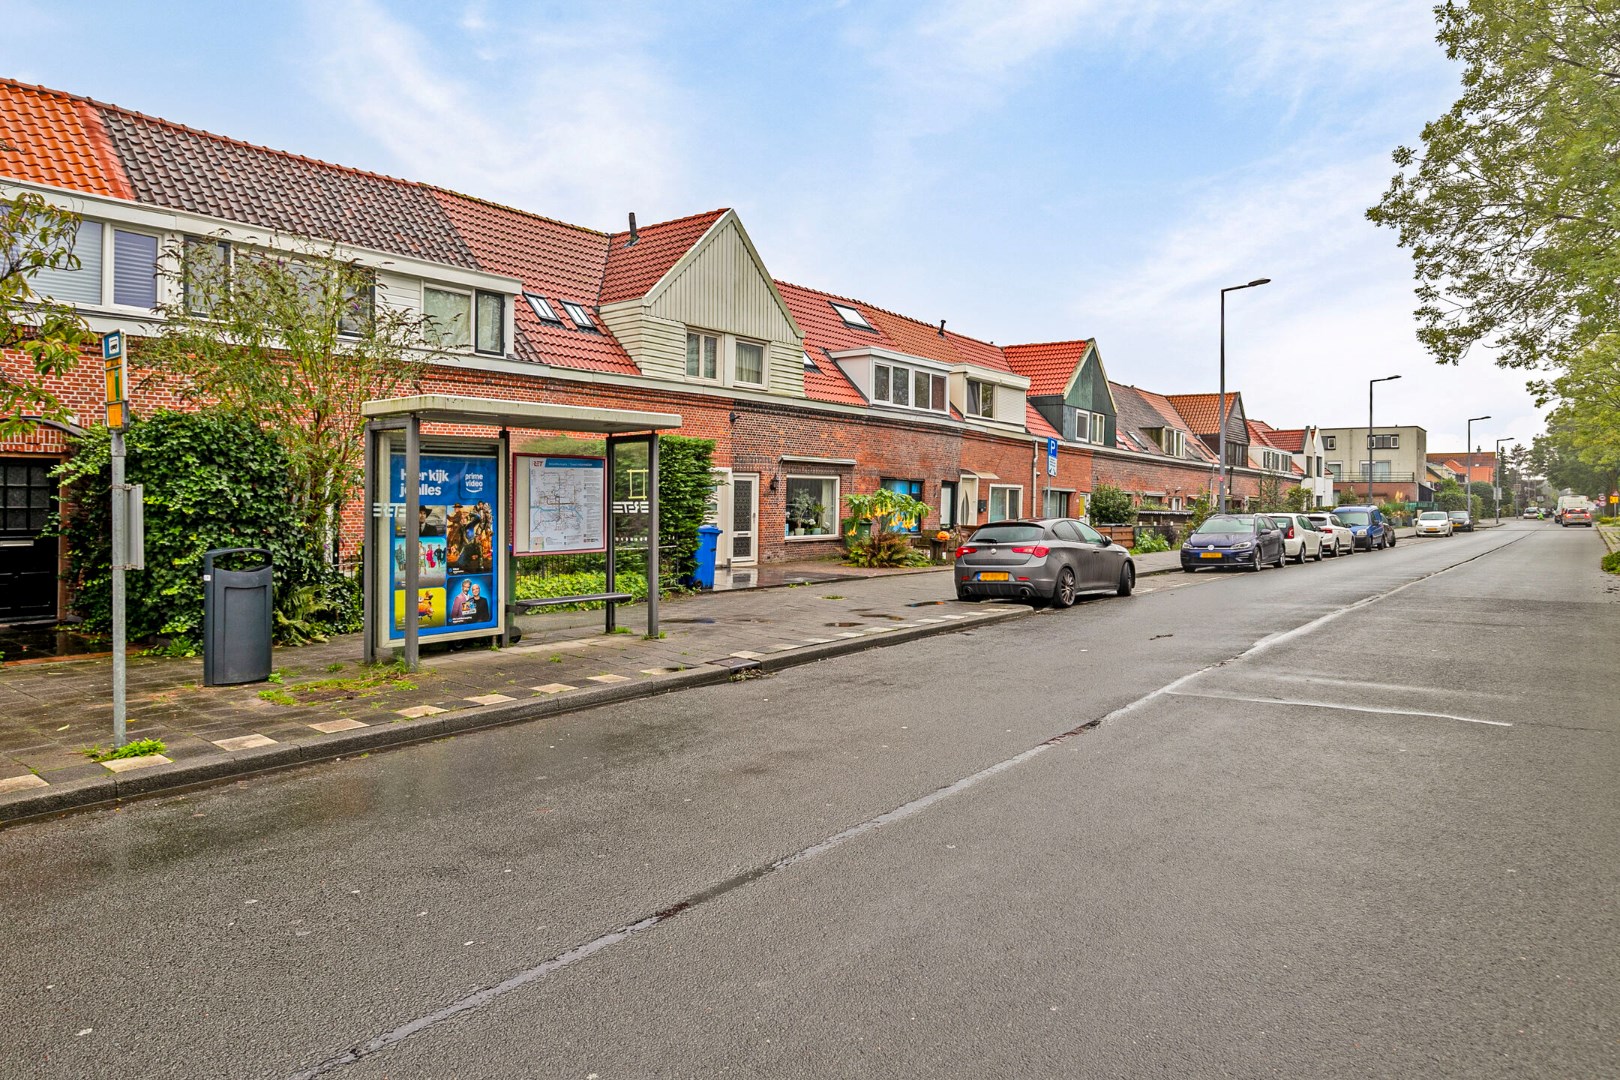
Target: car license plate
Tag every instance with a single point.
(994, 575)
(1210, 555)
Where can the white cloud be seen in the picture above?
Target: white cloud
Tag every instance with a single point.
(573, 120)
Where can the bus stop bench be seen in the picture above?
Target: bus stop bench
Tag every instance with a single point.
(521, 606)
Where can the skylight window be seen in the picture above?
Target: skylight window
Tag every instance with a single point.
(851, 316)
(542, 307)
(809, 364)
(581, 317)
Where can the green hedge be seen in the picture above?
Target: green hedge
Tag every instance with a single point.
(579, 583)
(1611, 562)
(211, 481)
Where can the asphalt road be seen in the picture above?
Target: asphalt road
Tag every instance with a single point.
(1354, 819)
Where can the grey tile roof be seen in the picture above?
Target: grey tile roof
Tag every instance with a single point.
(184, 169)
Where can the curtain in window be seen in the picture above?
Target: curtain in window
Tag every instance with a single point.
(451, 315)
(750, 363)
(491, 323)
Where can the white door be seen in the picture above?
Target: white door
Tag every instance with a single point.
(743, 542)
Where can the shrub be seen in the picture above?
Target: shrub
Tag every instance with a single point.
(1149, 542)
(1611, 562)
(881, 545)
(1110, 506)
(212, 480)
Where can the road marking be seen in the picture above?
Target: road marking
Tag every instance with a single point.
(1341, 707)
(1361, 684)
(482, 997)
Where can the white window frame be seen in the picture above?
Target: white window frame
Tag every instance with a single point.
(829, 511)
(936, 379)
(719, 356)
(986, 394)
(764, 362)
(1330, 442)
(1082, 426)
(851, 316)
(1099, 428)
(109, 254)
(1383, 442)
(1017, 496)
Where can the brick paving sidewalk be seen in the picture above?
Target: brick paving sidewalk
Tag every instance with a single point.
(324, 703)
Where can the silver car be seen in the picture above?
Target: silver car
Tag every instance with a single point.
(1044, 561)
(1337, 539)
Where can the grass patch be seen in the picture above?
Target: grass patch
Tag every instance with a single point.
(277, 697)
(315, 691)
(620, 630)
(834, 596)
(138, 748)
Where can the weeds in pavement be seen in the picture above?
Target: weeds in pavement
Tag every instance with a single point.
(138, 748)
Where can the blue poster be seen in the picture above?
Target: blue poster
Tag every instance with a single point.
(460, 522)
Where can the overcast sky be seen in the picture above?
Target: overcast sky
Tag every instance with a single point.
(1030, 170)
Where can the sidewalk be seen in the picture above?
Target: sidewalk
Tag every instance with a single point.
(325, 704)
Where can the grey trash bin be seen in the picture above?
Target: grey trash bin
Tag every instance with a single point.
(236, 619)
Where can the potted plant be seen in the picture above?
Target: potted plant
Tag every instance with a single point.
(804, 513)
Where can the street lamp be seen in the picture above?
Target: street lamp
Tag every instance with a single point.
(1222, 410)
(1370, 382)
(1499, 442)
(1468, 456)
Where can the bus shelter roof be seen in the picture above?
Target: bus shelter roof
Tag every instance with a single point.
(528, 415)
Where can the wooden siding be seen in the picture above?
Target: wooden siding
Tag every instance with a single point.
(723, 289)
(786, 362)
(398, 291)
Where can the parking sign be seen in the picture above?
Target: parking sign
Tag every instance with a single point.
(1051, 457)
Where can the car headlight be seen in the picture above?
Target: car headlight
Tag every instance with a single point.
(1241, 545)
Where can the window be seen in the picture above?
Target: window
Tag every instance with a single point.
(449, 316)
(914, 488)
(207, 272)
(81, 286)
(1173, 441)
(1099, 428)
(981, 399)
(1082, 427)
(1090, 535)
(1384, 442)
(359, 304)
(542, 308)
(852, 317)
(579, 315)
(1273, 461)
(809, 364)
(895, 384)
(812, 506)
(491, 324)
(1054, 504)
(750, 363)
(1005, 502)
(702, 356)
(1335, 469)
(1237, 454)
(134, 265)
(1330, 442)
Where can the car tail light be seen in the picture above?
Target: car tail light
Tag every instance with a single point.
(1290, 534)
(965, 550)
(1037, 550)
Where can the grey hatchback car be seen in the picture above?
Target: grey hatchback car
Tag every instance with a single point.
(1043, 561)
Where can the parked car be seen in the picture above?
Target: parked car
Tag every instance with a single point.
(1577, 515)
(1301, 540)
(1461, 521)
(1044, 561)
(1530, 514)
(1337, 539)
(1434, 523)
(1248, 541)
(1368, 526)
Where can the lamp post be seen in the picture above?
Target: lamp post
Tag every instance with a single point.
(1498, 484)
(1370, 383)
(1468, 456)
(1222, 409)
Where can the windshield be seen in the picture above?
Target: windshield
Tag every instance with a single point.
(1224, 526)
(1457, 515)
(1353, 517)
(1006, 534)
(1432, 515)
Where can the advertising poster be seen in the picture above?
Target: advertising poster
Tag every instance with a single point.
(457, 577)
(561, 504)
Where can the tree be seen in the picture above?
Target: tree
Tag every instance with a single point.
(1108, 505)
(1297, 500)
(294, 343)
(35, 236)
(1448, 495)
(1510, 210)
(1587, 417)
(1269, 496)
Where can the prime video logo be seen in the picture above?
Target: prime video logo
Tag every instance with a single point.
(473, 482)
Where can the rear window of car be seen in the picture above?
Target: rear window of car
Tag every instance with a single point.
(1006, 534)
(1220, 526)
(1458, 515)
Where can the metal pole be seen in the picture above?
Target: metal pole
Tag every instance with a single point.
(413, 538)
(120, 557)
(369, 533)
(652, 537)
(1222, 409)
(610, 567)
(503, 541)
(1468, 470)
(1369, 439)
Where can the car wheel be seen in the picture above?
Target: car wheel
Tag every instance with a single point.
(1063, 592)
(1258, 564)
(1392, 539)
(1189, 569)
(1301, 559)
(1282, 557)
(1127, 580)
(1318, 552)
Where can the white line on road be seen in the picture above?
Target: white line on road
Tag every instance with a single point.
(1341, 707)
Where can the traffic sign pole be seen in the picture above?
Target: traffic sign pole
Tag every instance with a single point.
(112, 352)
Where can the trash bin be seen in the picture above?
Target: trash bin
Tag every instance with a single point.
(236, 619)
(708, 541)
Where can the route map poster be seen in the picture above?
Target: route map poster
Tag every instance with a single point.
(560, 504)
(458, 579)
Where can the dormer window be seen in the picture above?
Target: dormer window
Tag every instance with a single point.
(981, 399)
(581, 317)
(543, 309)
(1099, 428)
(852, 317)
(914, 388)
(1172, 441)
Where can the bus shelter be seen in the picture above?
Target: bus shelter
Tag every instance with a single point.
(439, 552)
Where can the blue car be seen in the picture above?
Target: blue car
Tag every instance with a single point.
(1369, 528)
(1243, 541)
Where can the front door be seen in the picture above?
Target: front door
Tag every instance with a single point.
(27, 559)
(744, 529)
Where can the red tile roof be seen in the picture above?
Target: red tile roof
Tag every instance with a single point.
(633, 269)
(1036, 424)
(1049, 366)
(1171, 417)
(1258, 434)
(1290, 439)
(47, 137)
(1203, 411)
(552, 259)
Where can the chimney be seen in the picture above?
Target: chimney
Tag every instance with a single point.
(633, 233)
(942, 328)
